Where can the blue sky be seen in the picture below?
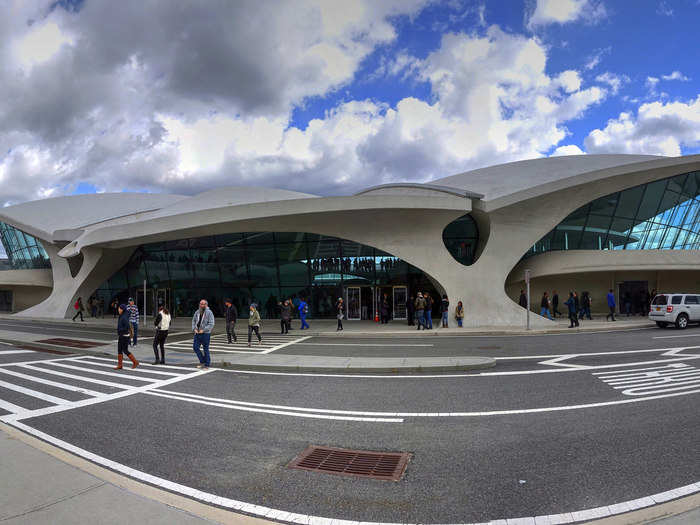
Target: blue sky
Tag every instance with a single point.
(330, 98)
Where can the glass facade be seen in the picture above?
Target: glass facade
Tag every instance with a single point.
(461, 238)
(23, 251)
(660, 215)
(260, 267)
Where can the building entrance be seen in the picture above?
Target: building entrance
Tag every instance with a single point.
(633, 297)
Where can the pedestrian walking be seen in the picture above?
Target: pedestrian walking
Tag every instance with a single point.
(285, 316)
(585, 306)
(340, 313)
(79, 306)
(231, 314)
(459, 313)
(202, 325)
(420, 311)
(611, 305)
(577, 303)
(133, 320)
(93, 306)
(303, 309)
(544, 306)
(385, 309)
(114, 306)
(254, 323)
(522, 301)
(162, 324)
(411, 311)
(571, 305)
(123, 329)
(444, 310)
(555, 304)
(428, 312)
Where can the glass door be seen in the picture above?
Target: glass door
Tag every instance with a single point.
(400, 295)
(353, 301)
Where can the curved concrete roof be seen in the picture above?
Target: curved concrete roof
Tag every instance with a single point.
(505, 179)
(44, 217)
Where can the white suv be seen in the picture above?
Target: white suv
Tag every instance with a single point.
(675, 308)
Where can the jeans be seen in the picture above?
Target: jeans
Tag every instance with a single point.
(444, 319)
(231, 330)
(135, 326)
(203, 340)
(573, 318)
(428, 318)
(304, 324)
(459, 322)
(256, 329)
(544, 312)
(420, 319)
(585, 312)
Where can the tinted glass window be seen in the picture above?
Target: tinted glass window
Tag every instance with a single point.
(660, 300)
(676, 299)
(691, 299)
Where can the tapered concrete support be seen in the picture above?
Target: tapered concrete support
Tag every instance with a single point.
(98, 265)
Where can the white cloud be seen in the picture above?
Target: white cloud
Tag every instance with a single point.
(570, 80)
(570, 149)
(40, 44)
(564, 11)
(659, 128)
(594, 59)
(664, 9)
(675, 75)
(614, 81)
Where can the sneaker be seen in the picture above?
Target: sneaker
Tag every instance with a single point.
(200, 366)
(248, 345)
(260, 342)
(205, 368)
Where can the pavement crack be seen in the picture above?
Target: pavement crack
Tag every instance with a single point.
(55, 502)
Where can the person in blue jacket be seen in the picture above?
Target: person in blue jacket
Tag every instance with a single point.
(611, 305)
(303, 311)
(573, 314)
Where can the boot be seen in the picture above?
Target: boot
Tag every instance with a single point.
(134, 361)
(120, 357)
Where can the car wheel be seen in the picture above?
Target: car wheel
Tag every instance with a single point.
(661, 324)
(682, 321)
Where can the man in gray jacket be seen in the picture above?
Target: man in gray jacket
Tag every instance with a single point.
(202, 325)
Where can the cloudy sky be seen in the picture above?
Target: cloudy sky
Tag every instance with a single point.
(331, 96)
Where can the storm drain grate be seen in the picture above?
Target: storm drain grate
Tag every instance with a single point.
(359, 463)
(73, 343)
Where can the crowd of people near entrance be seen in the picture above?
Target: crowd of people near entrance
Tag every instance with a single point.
(579, 307)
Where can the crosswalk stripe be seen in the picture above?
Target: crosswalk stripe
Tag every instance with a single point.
(33, 393)
(7, 352)
(103, 373)
(64, 386)
(10, 407)
(89, 359)
(139, 369)
(74, 376)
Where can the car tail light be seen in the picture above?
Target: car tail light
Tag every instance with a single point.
(669, 308)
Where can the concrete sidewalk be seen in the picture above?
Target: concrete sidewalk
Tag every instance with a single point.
(45, 485)
(327, 327)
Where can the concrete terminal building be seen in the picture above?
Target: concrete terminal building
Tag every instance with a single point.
(590, 222)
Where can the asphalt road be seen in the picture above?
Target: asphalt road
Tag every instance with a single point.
(562, 423)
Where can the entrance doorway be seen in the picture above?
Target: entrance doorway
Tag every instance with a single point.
(360, 302)
(157, 297)
(400, 296)
(633, 297)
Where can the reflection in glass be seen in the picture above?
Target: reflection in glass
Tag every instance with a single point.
(660, 215)
(23, 251)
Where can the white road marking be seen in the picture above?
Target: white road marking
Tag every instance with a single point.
(219, 344)
(91, 358)
(276, 412)
(140, 369)
(64, 386)
(659, 380)
(10, 407)
(36, 361)
(305, 519)
(123, 375)
(361, 344)
(675, 336)
(75, 376)
(126, 391)
(33, 393)
(8, 352)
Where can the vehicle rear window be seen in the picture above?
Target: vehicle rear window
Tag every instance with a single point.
(660, 300)
(691, 299)
(676, 299)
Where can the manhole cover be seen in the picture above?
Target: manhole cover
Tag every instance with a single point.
(359, 463)
(73, 343)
